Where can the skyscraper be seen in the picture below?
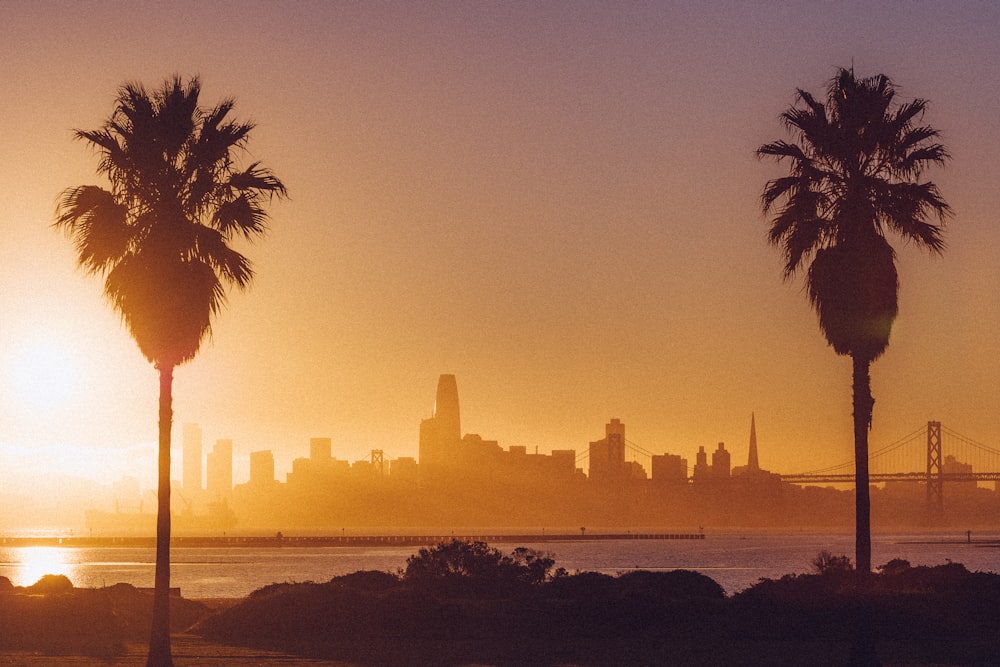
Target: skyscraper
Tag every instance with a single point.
(607, 456)
(752, 469)
(721, 462)
(261, 468)
(219, 471)
(701, 468)
(191, 478)
(446, 413)
(441, 435)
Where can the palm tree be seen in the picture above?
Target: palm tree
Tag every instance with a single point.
(855, 169)
(160, 237)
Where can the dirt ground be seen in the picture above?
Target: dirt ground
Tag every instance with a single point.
(188, 651)
(192, 651)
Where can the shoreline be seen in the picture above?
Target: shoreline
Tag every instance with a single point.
(335, 540)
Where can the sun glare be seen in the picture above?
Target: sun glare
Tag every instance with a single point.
(43, 374)
(33, 563)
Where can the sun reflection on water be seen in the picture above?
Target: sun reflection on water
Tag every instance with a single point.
(33, 563)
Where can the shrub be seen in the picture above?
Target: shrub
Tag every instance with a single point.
(475, 566)
(50, 584)
(583, 585)
(895, 567)
(371, 581)
(672, 585)
(825, 563)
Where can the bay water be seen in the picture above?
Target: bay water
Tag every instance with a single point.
(734, 560)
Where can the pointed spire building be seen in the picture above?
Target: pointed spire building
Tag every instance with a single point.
(752, 469)
(753, 465)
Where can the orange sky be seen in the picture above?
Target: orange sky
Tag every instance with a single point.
(557, 202)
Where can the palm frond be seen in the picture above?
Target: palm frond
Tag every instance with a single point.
(96, 222)
(258, 179)
(234, 267)
(913, 163)
(241, 215)
(906, 208)
(782, 149)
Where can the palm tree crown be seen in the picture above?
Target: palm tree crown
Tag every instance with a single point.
(161, 234)
(854, 175)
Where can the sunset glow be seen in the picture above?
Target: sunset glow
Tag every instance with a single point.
(557, 203)
(500, 332)
(44, 374)
(36, 562)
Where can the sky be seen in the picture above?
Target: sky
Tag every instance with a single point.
(558, 202)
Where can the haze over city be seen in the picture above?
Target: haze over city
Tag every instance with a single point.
(557, 202)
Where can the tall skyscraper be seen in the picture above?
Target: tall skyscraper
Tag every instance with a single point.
(446, 412)
(191, 478)
(441, 435)
(219, 471)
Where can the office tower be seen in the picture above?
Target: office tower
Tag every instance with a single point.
(219, 470)
(261, 468)
(753, 465)
(441, 435)
(669, 468)
(191, 478)
(701, 464)
(721, 462)
(614, 433)
(607, 456)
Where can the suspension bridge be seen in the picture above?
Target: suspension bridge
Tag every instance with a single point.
(920, 456)
(931, 454)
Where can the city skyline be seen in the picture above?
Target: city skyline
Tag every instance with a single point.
(465, 479)
(557, 203)
(446, 408)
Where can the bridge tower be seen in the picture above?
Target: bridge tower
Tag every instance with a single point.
(935, 482)
(378, 462)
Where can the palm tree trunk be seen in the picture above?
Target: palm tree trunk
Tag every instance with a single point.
(159, 638)
(863, 404)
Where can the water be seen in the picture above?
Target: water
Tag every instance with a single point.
(734, 560)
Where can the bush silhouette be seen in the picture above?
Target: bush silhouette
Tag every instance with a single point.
(51, 583)
(946, 613)
(895, 567)
(475, 567)
(672, 585)
(825, 562)
(372, 581)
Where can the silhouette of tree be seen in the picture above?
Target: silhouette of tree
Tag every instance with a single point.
(855, 171)
(464, 565)
(160, 237)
